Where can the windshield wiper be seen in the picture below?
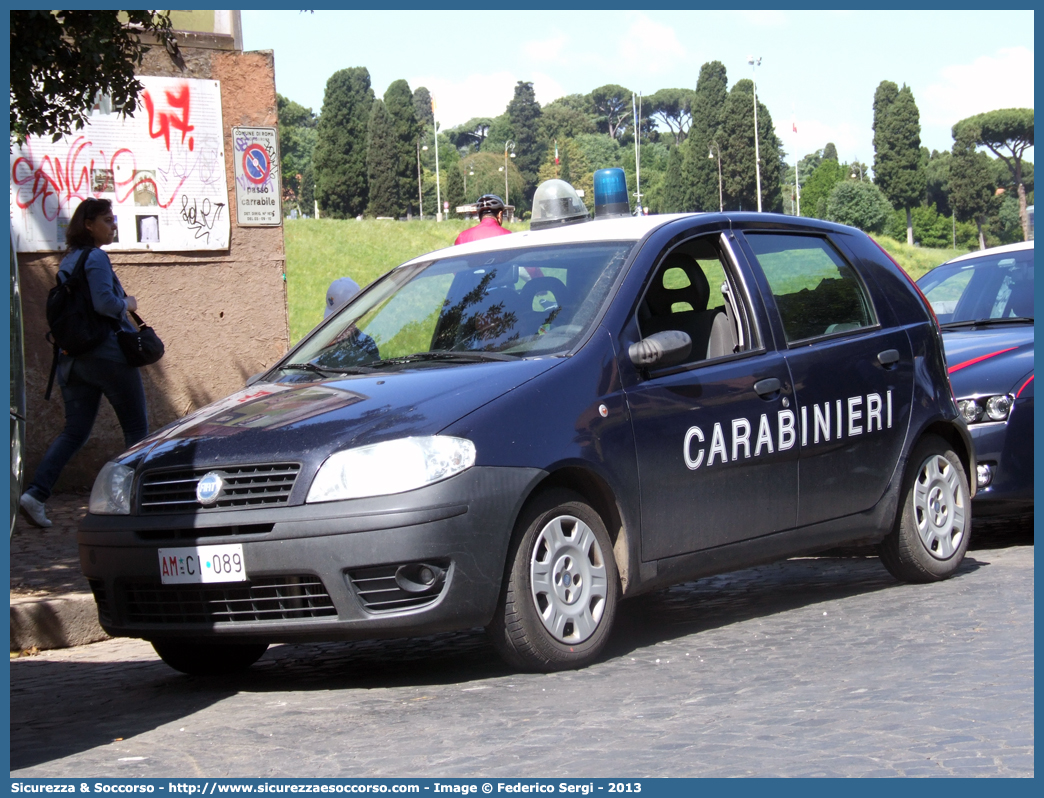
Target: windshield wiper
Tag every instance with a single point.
(468, 356)
(328, 370)
(950, 325)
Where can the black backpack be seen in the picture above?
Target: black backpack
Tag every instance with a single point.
(75, 327)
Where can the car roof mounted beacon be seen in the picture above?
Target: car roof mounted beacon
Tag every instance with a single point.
(556, 203)
(610, 190)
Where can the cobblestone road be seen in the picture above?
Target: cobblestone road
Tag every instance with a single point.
(811, 667)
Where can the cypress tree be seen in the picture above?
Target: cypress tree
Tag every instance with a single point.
(398, 100)
(673, 198)
(523, 113)
(700, 173)
(454, 188)
(422, 108)
(738, 152)
(380, 162)
(972, 186)
(340, 151)
(898, 168)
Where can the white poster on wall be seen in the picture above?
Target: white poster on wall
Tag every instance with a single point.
(163, 169)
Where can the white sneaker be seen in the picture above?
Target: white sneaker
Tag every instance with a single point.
(34, 510)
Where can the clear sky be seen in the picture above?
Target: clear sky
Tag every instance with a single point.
(819, 68)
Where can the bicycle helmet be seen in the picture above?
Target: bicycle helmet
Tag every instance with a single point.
(489, 203)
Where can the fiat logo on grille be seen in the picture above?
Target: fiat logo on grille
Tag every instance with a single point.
(209, 488)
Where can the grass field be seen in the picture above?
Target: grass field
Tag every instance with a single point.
(318, 251)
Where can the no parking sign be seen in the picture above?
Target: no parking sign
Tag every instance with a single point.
(258, 187)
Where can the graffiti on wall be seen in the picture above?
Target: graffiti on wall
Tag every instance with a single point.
(163, 169)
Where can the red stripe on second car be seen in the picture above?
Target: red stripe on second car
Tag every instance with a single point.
(979, 359)
(1027, 382)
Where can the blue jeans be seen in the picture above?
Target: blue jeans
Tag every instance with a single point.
(89, 379)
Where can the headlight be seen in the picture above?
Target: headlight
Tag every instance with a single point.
(112, 490)
(390, 467)
(986, 408)
(970, 410)
(997, 407)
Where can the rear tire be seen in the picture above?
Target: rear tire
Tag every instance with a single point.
(933, 526)
(197, 658)
(559, 598)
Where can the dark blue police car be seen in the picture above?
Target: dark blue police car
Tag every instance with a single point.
(519, 432)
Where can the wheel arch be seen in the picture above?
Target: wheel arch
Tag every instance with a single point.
(597, 492)
(957, 436)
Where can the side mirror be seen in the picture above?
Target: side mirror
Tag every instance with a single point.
(661, 349)
(255, 378)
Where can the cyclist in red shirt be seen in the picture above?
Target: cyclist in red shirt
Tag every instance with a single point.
(491, 217)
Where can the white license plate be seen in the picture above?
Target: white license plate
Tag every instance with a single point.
(191, 565)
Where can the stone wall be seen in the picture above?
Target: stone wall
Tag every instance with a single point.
(221, 314)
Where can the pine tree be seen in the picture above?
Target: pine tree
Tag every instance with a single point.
(380, 163)
(398, 100)
(830, 152)
(340, 152)
(1007, 133)
(898, 168)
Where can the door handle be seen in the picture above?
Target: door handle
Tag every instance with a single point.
(889, 357)
(767, 388)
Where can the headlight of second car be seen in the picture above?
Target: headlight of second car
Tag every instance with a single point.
(112, 490)
(390, 467)
(986, 408)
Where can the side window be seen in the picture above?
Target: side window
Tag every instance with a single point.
(816, 292)
(691, 291)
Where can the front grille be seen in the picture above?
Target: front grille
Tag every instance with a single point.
(204, 532)
(245, 486)
(101, 599)
(274, 598)
(380, 592)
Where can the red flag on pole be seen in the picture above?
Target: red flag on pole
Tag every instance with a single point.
(556, 152)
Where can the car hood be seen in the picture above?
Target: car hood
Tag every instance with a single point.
(988, 360)
(309, 420)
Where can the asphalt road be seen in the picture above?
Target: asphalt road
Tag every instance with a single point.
(812, 667)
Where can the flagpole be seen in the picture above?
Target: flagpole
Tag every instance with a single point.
(797, 158)
(637, 152)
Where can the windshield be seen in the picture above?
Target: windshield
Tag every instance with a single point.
(485, 306)
(989, 288)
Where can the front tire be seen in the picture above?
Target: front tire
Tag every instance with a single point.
(559, 599)
(932, 530)
(197, 658)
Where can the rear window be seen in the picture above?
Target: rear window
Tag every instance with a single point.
(817, 293)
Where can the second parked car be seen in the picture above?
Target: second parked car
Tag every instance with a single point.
(984, 302)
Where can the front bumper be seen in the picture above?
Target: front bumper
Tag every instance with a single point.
(1007, 447)
(315, 572)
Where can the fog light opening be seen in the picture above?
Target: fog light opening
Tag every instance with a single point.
(419, 577)
(983, 474)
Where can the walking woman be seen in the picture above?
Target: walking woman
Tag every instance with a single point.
(84, 379)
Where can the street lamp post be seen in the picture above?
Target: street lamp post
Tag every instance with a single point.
(860, 168)
(438, 186)
(508, 145)
(721, 200)
(420, 189)
(754, 64)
